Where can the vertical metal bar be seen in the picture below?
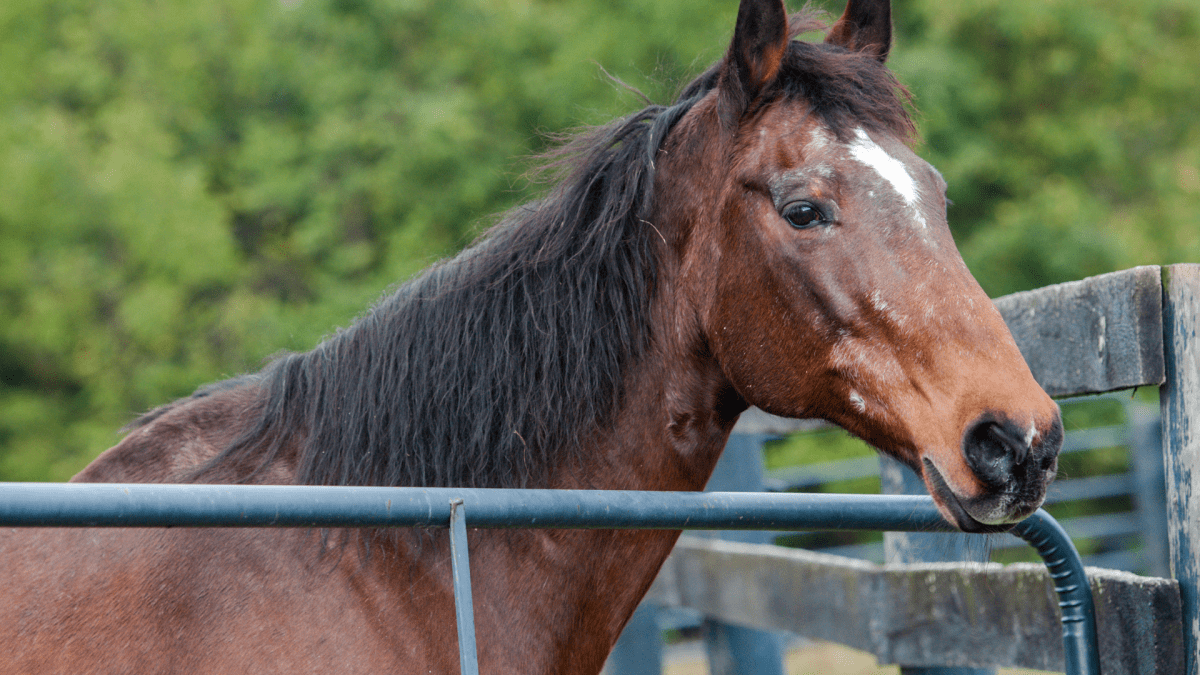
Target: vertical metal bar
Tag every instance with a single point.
(1179, 397)
(464, 610)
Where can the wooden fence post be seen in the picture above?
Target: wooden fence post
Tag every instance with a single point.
(1150, 486)
(1180, 400)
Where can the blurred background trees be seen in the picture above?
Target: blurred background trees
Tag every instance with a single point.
(186, 188)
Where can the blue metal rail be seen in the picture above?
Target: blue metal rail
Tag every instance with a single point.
(150, 505)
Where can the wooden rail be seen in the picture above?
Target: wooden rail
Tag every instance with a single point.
(933, 614)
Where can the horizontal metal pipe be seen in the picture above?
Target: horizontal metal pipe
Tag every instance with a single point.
(160, 505)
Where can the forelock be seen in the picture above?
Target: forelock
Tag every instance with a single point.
(846, 90)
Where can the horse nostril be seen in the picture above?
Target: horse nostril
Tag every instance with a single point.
(993, 451)
(1019, 449)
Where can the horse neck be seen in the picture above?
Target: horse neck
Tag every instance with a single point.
(678, 407)
(675, 416)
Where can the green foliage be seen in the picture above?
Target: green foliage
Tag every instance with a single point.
(1064, 130)
(824, 445)
(186, 188)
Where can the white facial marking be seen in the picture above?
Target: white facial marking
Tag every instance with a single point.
(857, 401)
(891, 169)
(868, 152)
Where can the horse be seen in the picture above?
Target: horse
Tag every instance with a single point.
(770, 239)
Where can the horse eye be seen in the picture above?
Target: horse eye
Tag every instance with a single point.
(803, 216)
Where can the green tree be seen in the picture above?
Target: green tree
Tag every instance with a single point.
(1065, 130)
(186, 188)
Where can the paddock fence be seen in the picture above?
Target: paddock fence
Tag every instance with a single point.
(159, 505)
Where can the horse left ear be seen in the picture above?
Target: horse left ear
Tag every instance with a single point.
(865, 26)
(759, 41)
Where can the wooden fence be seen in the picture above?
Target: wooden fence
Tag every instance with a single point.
(1128, 329)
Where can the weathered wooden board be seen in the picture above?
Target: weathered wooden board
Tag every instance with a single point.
(1091, 336)
(948, 614)
(813, 594)
(1180, 401)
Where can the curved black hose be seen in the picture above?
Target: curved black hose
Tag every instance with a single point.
(1080, 647)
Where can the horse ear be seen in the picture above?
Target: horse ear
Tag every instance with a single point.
(865, 26)
(759, 41)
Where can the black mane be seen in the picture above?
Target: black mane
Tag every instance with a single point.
(490, 369)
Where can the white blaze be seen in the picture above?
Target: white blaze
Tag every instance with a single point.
(868, 152)
(891, 169)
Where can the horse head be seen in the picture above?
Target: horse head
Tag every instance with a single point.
(827, 283)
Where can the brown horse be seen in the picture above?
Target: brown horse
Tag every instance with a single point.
(769, 240)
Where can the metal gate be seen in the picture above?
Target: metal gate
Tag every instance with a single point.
(157, 505)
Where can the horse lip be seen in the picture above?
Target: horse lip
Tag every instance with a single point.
(952, 506)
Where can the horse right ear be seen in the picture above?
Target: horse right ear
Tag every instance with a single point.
(865, 26)
(752, 62)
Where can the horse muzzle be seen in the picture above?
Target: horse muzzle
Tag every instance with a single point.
(1011, 470)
